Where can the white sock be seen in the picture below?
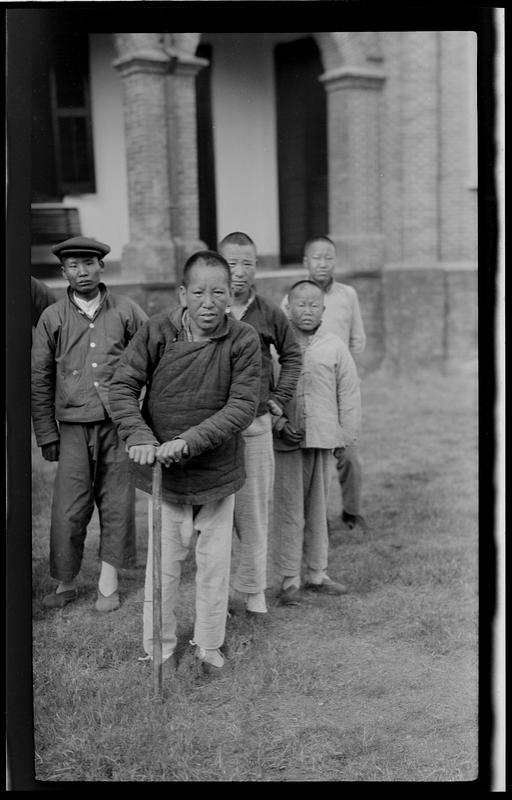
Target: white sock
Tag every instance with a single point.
(291, 580)
(107, 583)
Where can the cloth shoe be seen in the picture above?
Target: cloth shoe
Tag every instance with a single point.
(256, 603)
(327, 586)
(211, 662)
(354, 521)
(110, 603)
(290, 596)
(59, 600)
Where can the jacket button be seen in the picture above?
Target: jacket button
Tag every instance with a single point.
(93, 344)
(94, 364)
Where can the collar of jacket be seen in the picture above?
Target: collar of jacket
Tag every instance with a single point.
(103, 293)
(176, 318)
(305, 339)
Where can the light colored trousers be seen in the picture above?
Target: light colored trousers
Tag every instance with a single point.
(300, 510)
(350, 478)
(252, 505)
(214, 525)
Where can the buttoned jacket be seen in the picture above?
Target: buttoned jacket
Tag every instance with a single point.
(74, 358)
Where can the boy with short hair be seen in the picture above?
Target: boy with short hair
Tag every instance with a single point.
(342, 316)
(201, 371)
(252, 501)
(76, 347)
(324, 415)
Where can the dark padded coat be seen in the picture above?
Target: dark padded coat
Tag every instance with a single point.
(274, 331)
(203, 392)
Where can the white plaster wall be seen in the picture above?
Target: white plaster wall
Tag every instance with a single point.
(244, 119)
(104, 214)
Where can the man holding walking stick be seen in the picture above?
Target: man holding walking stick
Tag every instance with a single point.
(201, 370)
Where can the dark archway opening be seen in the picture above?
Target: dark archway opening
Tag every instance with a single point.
(301, 146)
(205, 151)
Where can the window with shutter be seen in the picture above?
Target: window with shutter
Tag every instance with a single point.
(71, 117)
(62, 147)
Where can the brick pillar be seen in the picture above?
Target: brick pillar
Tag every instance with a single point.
(182, 146)
(150, 254)
(353, 106)
(420, 151)
(414, 280)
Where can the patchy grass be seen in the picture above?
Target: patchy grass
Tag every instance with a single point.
(377, 685)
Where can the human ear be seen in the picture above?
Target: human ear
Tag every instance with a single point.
(183, 296)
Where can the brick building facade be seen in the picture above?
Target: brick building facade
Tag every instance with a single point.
(401, 200)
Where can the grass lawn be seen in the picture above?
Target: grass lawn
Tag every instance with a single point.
(377, 685)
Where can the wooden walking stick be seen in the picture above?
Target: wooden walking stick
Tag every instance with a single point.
(157, 577)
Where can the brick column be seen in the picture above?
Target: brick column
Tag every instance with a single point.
(150, 254)
(182, 146)
(419, 131)
(353, 106)
(414, 281)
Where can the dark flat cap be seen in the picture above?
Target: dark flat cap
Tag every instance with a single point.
(80, 244)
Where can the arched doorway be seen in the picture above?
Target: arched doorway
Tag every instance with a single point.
(301, 116)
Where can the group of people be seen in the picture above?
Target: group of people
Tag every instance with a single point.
(242, 401)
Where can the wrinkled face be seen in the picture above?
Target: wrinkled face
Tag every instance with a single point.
(206, 296)
(83, 273)
(306, 306)
(242, 263)
(320, 261)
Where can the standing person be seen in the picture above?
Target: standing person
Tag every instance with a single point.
(41, 298)
(77, 344)
(324, 415)
(201, 370)
(253, 499)
(342, 316)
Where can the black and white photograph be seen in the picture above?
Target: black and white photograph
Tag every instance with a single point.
(254, 395)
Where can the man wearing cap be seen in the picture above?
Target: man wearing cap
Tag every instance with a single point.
(77, 344)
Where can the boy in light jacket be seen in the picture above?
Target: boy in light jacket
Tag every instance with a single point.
(324, 415)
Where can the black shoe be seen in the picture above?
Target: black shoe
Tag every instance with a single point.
(354, 520)
(327, 586)
(289, 597)
(59, 599)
